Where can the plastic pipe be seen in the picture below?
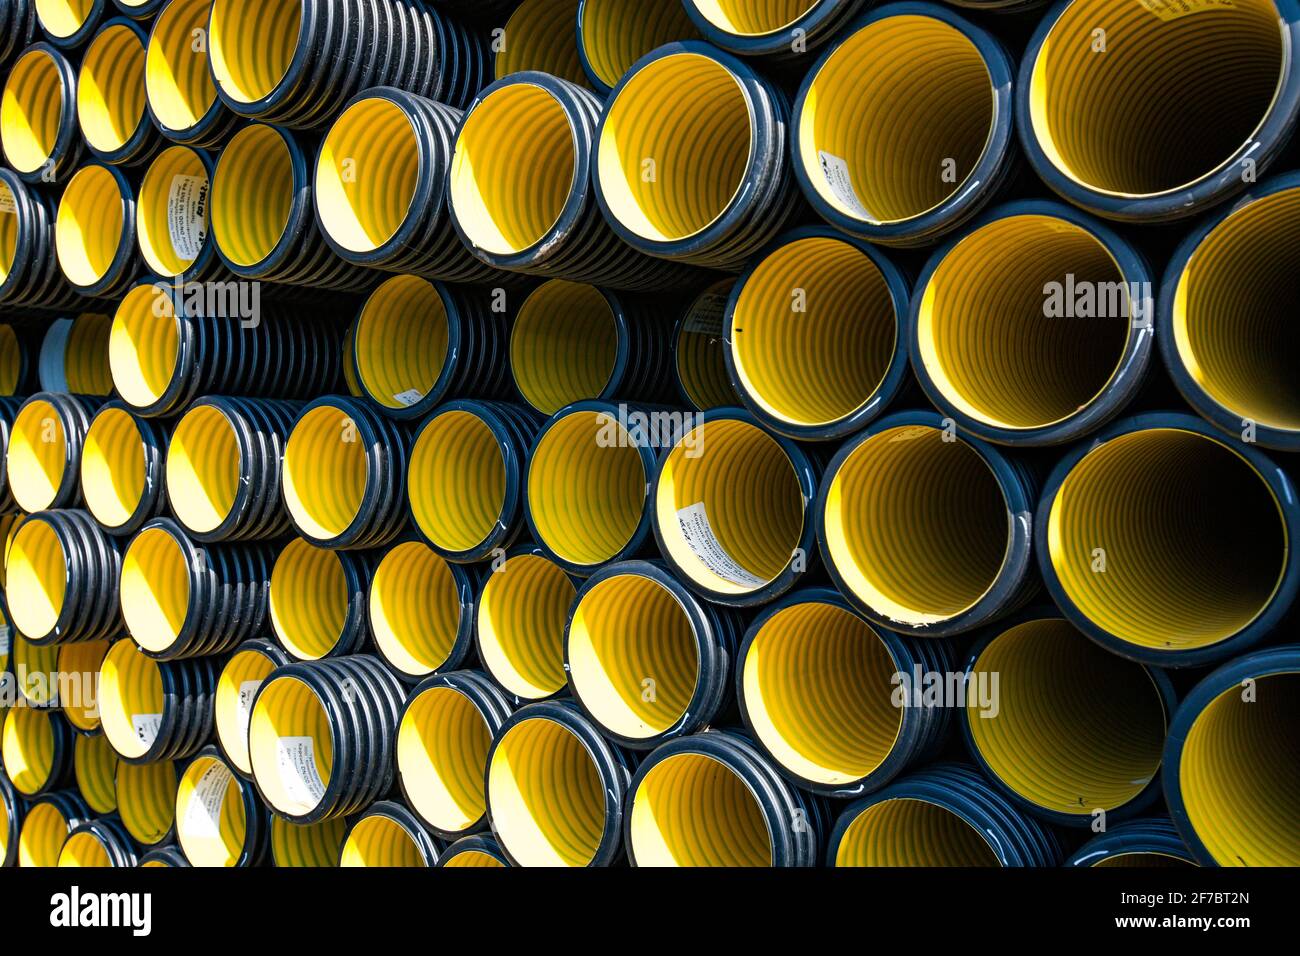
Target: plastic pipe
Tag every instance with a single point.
(38, 116)
(1174, 587)
(19, 360)
(539, 36)
(784, 29)
(35, 669)
(140, 9)
(476, 850)
(46, 826)
(937, 151)
(74, 355)
(318, 600)
(443, 737)
(94, 764)
(388, 835)
(307, 845)
(37, 751)
(243, 673)
(179, 88)
(493, 12)
(155, 711)
(9, 408)
(77, 667)
(69, 23)
(94, 232)
(103, 842)
(17, 27)
(122, 464)
(1034, 327)
(29, 266)
(219, 819)
(111, 102)
(146, 801)
(699, 351)
(1097, 132)
(813, 333)
(43, 459)
(170, 855)
(614, 34)
(12, 810)
(1150, 842)
(172, 221)
(950, 527)
(421, 611)
(832, 700)
(466, 477)
(1230, 766)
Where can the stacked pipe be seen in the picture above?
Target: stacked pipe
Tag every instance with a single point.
(727, 434)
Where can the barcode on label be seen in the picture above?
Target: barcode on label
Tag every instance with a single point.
(693, 521)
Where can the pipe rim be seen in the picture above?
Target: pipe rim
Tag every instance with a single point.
(237, 810)
(65, 129)
(818, 13)
(139, 135)
(198, 123)
(392, 295)
(104, 487)
(157, 810)
(393, 640)
(151, 621)
(68, 235)
(291, 230)
(173, 161)
(389, 814)
(311, 22)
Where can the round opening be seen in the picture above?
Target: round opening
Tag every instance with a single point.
(916, 526)
(819, 685)
(131, 701)
(37, 456)
(30, 111)
(146, 799)
(291, 746)
(401, 341)
(63, 18)
(252, 193)
(442, 748)
(252, 45)
(155, 589)
(171, 212)
(177, 81)
(540, 36)
(88, 230)
(203, 469)
(95, 766)
(907, 832)
(513, 168)
(700, 352)
(325, 472)
(37, 578)
(77, 668)
(1093, 102)
(113, 467)
(563, 346)
(378, 840)
(749, 19)
(473, 858)
(84, 849)
(616, 33)
(1025, 321)
(144, 345)
(414, 608)
(238, 684)
(85, 355)
(44, 830)
(307, 845)
(27, 749)
(309, 599)
(457, 482)
(210, 822)
(522, 611)
(110, 89)
(1182, 571)
(37, 671)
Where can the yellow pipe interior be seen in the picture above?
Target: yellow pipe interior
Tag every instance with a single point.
(442, 748)
(152, 209)
(113, 467)
(522, 611)
(401, 341)
(43, 833)
(30, 110)
(457, 481)
(307, 845)
(1181, 571)
(378, 840)
(700, 354)
(563, 345)
(155, 589)
(916, 526)
(94, 763)
(178, 83)
(143, 346)
(78, 668)
(84, 850)
(750, 18)
(474, 858)
(27, 749)
(130, 687)
(110, 88)
(909, 832)
(11, 350)
(252, 44)
(146, 799)
(63, 18)
(614, 34)
(309, 599)
(287, 708)
(37, 578)
(414, 608)
(239, 680)
(325, 472)
(210, 836)
(85, 355)
(9, 525)
(8, 249)
(36, 669)
(540, 35)
(37, 456)
(204, 465)
(252, 194)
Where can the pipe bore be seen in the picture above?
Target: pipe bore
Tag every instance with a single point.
(219, 819)
(146, 800)
(1150, 842)
(155, 710)
(111, 96)
(46, 826)
(421, 610)
(519, 626)
(35, 669)
(924, 531)
(179, 88)
(540, 36)
(44, 453)
(1163, 581)
(29, 266)
(144, 348)
(1223, 328)
(388, 835)
(94, 232)
(1034, 327)
(77, 667)
(69, 23)
(318, 600)
(98, 843)
(250, 665)
(94, 765)
(12, 810)
(614, 34)
(818, 687)
(122, 469)
(780, 29)
(140, 9)
(38, 115)
(699, 351)
(888, 158)
(1231, 764)
(172, 214)
(820, 308)
(478, 851)
(1042, 736)
(36, 750)
(74, 355)
(307, 845)
(1095, 133)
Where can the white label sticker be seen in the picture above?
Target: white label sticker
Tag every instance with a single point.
(409, 397)
(203, 813)
(146, 728)
(693, 521)
(5, 640)
(187, 216)
(244, 707)
(706, 315)
(836, 171)
(7, 203)
(298, 773)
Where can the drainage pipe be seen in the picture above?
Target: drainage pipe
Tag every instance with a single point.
(152, 710)
(122, 464)
(317, 600)
(94, 232)
(245, 670)
(421, 611)
(220, 821)
(388, 835)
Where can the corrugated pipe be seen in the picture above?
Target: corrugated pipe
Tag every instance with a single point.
(519, 622)
(179, 88)
(731, 509)
(43, 460)
(421, 611)
(416, 343)
(62, 579)
(539, 36)
(12, 810)
(182, 599)
(318, 600)
(1231, 764)
(817, 307)
(140, 9)
(307, 845)
(713, 799)
(220, 821)
(588, 485)
(9, 409)
(1171, 586)
(1034, 327)
(155, 710)
(146, 801)
(250, 664)
(102, 842)
(29, 266)
(895, 161)
(223, 468)
(268, 70)
(170, 855)
(699, 350)
(466, 478)
(945, 815)
(381, 190)
(94, 232)
(834, 701)
(614, 34)
(70, 23)
(38, 116)
(474, 851)
(344, 474)
(17, 28)
(521, 189)
(19, 351)
(35, 663)
(1094, 132)
(1150, 842)
(172, 218)
(122, 469)
(646, 660)
(1031, 721)
(162, 361)
(46, 826)
(262, 216)
(94, 764)
(779, 29)
(388, 835)
(572, 341)
(1223, 319)
(80, 663)
(556, 788)
(323, 736)
(37, 751)
(111, 101)
(74, 355)
(926, 531)
(443, 737)
(707, 182)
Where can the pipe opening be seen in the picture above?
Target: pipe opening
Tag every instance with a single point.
(749, 19)
(843, 340)
(178, 83)
(37, 456)
(1102, 120)
(563, 346)
(916, 526)
(896, 119)
(63, 18)
(110, 89)
(414, 608)
(366, 174)
(1049, 740)
(457, 482)
(88, 230)
(818, 685)
(36, 579)
(521, 618)
(36, 664)
(325, 472)
(155, 589)
(539, 35)
(474, 858)
(1237, 775)
(173, 186)
(41, 838)
(378, 840)
(252, 194)
(909, 832)
(700, 148)
(113, 467)
(146, 799)
(1141, 860)
(77, 666)
(203, 468)
(131, 700)
(144, 345)
(586, 493)
(699, 354)
(307, 845)
(1184, 571)
(729, 507)
(309, 599)
(30, 111)
(84, 849)
(210, 822)
(513, 169)
(27, 749)
(85, 355)
(1231, 325)
(442, 748)
(548, 803)
(401, 341)
(239, 680)
(252, 45)
(291, 745)
(616, 33)
(992, 339)
(94, 764)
